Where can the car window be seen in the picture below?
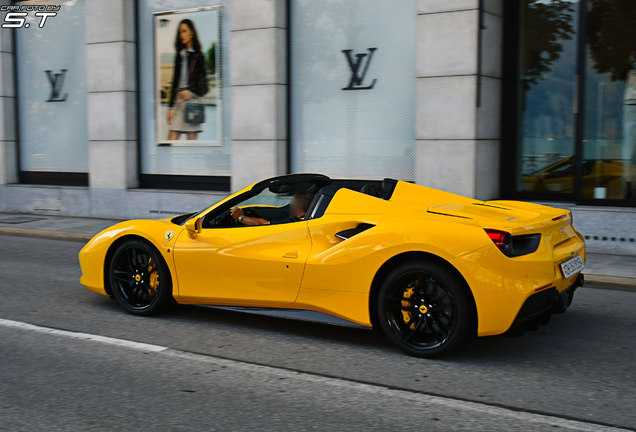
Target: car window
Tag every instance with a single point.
(270, 204)
(268, 198)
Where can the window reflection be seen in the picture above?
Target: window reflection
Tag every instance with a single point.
(610, 108)
(559, 177)
(547, 89)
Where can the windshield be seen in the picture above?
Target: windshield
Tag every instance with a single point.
(180, 220)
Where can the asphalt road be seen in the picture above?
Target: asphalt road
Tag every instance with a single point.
(211, 369)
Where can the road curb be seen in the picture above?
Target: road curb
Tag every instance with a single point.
(56, 235)
(610, 282)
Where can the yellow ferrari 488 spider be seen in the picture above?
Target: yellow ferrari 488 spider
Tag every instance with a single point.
(429, 268)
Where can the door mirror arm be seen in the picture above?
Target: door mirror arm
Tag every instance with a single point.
(194, 226)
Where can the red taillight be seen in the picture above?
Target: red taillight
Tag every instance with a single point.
(543, 287)
(501, 239)
(560, 217)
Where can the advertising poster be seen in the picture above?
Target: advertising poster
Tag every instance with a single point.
(187, 77)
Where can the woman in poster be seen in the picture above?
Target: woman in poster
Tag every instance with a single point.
(188, 81)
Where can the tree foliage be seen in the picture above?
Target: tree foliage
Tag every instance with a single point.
(611, 36)
(211, 63)
(547, 24)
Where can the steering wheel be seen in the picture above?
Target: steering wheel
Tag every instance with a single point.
(247, 212)
(226, 220)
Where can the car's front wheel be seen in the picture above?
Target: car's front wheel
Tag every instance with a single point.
(139, 278)
(425, 309)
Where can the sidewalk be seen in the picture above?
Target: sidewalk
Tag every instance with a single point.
(601, 271)
(56, 227)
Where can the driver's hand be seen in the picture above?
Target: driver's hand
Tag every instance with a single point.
(236, 212)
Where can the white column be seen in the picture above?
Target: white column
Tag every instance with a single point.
(8, 145)
(258, 65)
(112, 94)
(457, 140)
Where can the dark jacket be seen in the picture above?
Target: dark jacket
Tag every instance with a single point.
(198, 81)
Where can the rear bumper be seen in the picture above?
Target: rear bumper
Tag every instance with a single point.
(537, 308)
(501, 285)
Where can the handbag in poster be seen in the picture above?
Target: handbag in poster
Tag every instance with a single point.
(194, 111)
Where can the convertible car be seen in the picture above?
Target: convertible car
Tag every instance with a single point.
(617, 178)
(428, 268)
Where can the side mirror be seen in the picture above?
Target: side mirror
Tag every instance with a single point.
(193, 226)
(544, 176)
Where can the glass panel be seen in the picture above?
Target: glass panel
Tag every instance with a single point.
(199, 148)
(353, 88)
(51, 63)
(547, 85)
(268, 198)
(609, 139)
(272, 204)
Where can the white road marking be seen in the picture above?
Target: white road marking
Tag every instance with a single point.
(347, 385)
(385, 393)
(85, 336)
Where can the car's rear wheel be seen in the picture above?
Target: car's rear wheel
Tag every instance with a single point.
(139, 278)
(424, 309)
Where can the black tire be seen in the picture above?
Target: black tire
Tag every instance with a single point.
(425, 310)
(139, 278)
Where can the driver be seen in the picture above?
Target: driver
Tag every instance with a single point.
(298, 206)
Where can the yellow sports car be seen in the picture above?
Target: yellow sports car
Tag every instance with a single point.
(429, 268)
(615, 179)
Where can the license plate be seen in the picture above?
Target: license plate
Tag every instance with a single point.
(572, 266)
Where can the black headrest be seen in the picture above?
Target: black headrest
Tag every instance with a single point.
(372, 190)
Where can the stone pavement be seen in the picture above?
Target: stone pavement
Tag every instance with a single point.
(59, 227)
(601, 271)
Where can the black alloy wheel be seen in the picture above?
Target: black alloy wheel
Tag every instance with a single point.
(139, 278)
(424, 309)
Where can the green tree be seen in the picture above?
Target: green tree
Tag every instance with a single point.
(546, 25)
(211, 63)
(611, 36)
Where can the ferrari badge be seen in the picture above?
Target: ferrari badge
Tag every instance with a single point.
(168, 236)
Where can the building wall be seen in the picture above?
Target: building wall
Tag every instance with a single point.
(258, 58)
(8, 144)
(459, 96)
(458, 110)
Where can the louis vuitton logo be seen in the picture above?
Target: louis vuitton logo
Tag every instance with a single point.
(56, 81)
(357, 75)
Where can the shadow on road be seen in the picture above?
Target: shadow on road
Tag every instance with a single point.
(562, 340)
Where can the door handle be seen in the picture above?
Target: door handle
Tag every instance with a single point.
(291, 254)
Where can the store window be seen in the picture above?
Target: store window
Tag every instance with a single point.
(184, 94)
(352, 87)
(571, 98)
(547, 93)
(52, 98)
(609, 139)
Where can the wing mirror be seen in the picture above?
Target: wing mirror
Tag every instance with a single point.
(545, 176)
(194, 226)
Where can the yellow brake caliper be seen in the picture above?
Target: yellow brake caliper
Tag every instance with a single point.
(405, 303)
(154, 276)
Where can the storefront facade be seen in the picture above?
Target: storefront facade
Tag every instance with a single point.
(572, 78)
(484, 98)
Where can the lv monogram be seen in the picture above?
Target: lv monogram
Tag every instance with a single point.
(56, 81)
(357, 75)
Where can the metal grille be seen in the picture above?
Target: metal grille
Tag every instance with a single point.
(51, 63)
(352, 88)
